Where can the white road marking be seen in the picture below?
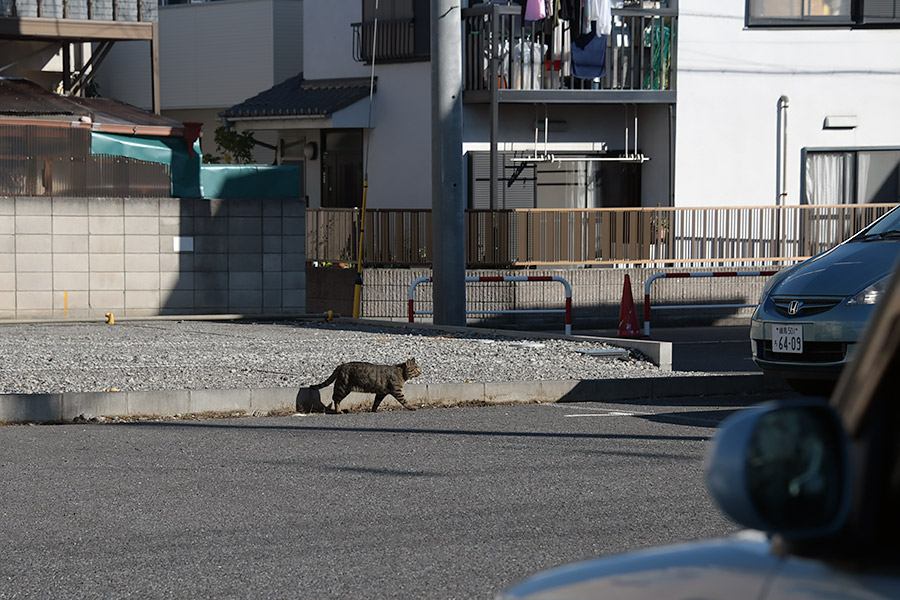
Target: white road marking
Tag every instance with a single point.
(614, 413)
(593, 411)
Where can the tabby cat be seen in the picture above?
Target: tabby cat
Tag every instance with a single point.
(380, 380)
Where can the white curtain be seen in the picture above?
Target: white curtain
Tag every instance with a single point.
(825, 178)
(863, 161)
(576, 182)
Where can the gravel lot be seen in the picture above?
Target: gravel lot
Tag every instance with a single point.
(191, 355)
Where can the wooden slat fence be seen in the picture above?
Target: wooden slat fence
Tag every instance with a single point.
(606, 236)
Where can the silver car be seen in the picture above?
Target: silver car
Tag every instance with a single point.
(811, 315)
(816, 483)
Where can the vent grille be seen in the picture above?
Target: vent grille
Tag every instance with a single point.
(803, 307)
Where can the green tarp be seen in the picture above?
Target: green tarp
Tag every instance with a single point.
(183, 168)
(190, 179)
(249, 181)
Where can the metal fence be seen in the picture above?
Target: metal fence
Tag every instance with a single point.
(605, 236)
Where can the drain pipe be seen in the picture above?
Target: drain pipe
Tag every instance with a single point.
(671, 155)
(781, 152)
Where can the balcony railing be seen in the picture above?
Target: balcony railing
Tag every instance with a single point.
(603, 236)
(639, 51)
(395, 41)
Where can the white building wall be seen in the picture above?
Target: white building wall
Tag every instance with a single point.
(212, 55)
(328, 39)
(400, 143)
(730, 79)
(125, 74)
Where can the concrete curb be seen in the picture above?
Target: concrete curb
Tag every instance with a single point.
(65, 407)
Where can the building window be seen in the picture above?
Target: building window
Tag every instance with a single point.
(851, 176)
(822, 13)
(403, 35)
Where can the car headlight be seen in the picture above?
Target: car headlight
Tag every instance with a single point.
(872, 294)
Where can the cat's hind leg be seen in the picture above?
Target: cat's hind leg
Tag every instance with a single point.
(401, 399)
(338, 395)
(378, 399)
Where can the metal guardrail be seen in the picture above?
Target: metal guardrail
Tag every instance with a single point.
(648, 307)
(502, 278)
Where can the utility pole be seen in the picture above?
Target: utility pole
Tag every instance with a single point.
(447, 209)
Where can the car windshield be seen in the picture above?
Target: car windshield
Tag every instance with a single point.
(887, 227)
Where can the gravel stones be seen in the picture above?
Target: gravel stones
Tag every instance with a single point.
(171, 355)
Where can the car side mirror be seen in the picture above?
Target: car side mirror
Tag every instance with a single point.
(782, 468)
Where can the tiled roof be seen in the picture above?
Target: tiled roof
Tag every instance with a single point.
(298, 97)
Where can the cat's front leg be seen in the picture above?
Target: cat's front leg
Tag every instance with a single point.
(401, 399)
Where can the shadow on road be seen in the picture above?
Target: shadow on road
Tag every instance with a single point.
(412, 431)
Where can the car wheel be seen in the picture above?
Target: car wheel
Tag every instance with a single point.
(812, 387)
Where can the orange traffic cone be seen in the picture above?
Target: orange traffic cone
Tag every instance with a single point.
(628, 321)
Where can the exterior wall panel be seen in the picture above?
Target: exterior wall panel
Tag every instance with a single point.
(212, 55)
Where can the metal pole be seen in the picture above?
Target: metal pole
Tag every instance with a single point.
(448, 210)
(494, 84)
(357, 287)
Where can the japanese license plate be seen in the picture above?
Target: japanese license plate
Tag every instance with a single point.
(787, 339)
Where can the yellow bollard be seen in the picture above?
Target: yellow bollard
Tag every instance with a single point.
(110, 319)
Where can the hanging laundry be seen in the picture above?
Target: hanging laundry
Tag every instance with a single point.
(591, 10)
(599, 11)
(568, 9)
(604, 23)
(535, 10)
(589, 54)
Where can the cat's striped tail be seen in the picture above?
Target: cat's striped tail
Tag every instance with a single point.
(325, 383)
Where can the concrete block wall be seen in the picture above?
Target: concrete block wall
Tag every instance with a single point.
(596, 296)
(85, 257)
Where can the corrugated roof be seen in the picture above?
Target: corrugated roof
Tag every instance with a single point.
(298, 97)
(24, 99)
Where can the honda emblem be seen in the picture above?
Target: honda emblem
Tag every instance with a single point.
(794, 307)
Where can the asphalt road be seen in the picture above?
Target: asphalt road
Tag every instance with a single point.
(442, 503)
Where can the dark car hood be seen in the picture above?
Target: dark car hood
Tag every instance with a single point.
(842, 271)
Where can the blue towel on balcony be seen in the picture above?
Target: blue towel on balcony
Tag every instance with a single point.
(589, 55)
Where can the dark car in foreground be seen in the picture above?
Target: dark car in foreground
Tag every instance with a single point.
(816, 484)
(812, 314)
